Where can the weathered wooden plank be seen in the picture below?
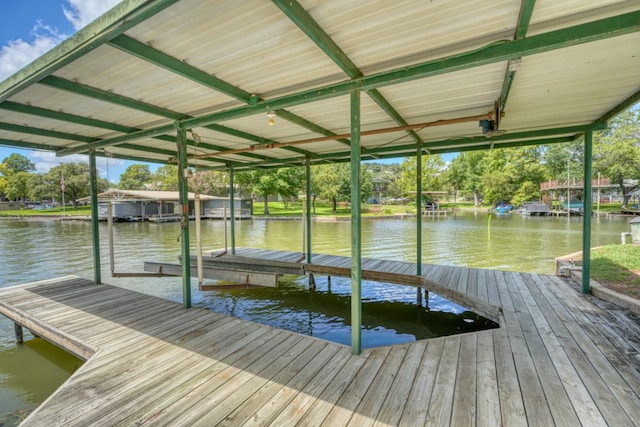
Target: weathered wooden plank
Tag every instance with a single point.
(509, 390)
(487, 398)
(535, 403)
(372, 401)
(505, 297)
(233, 353)
(464, 408)
(415, 411)
(217, 386)
(612, 394)
(326, 399)
(483, 292)
(145, 386)
(266, 397)
(441, 402)
(341, 412)
(545, 318)
(307, 396)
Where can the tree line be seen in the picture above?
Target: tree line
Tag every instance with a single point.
(483, 176)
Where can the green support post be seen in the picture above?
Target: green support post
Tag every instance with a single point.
(419, 210)
(587, 210)
(308, 206)
(232, 207)
(184, 216)
(356, 244)
(95, 232)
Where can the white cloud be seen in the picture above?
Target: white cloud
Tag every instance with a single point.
(18, 53)
(82, 12)
(45, 160)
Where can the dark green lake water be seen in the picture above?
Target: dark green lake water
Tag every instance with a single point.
(35, 250)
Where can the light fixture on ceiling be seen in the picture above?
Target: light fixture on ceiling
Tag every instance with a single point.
(271, 115)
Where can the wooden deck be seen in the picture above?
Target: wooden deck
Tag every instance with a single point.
(559, 358)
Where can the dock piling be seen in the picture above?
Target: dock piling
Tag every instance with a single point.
(19, 333)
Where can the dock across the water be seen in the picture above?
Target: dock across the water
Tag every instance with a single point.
(558, 358)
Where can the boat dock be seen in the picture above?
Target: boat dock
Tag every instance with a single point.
(559, 358)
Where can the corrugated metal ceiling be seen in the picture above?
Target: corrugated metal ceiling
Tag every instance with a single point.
(148, 63)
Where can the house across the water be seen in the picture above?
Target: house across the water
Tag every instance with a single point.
(162, 206)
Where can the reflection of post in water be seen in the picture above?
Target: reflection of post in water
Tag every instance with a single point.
(419, 298)
(329, 284)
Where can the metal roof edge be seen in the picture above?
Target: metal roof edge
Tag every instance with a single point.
(111, 24)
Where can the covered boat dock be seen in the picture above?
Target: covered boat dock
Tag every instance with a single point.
(217, 85)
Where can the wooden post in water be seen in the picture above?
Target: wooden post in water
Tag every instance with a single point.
(184, 214)
(19, 333)
(419, 296)
(232, 207)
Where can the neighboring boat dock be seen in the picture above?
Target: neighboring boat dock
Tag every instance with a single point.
(558, 358)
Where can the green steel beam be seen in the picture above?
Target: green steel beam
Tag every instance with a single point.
(45, 132)
(72, 118)
(174, 65)
(161, 59)
(419, 209)
(294, 118)
(496, 52)
(124, 16)
(308, 207)
(181, 142)
(310, 27)
(95, 230)
(356, 237)
(64, 117)
(106, 96)
(232, 207)
(526, 10)
(627, 103)
(28, 145)
(586, 214)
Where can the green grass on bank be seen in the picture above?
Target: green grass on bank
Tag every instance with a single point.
(84, 210)
(618, 268)
(325, 209)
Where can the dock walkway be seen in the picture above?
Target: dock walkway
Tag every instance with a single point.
(558, 358)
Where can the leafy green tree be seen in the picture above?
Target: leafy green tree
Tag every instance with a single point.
(261, 182)
(76, 182)
(328, 182)
(289, 183)
(616, 152)
(38, 189)
(470, 168)
(165, 178)
(213, 183)
(332, 182)
(17, 187)
(432, 174)
(135, 177)
(18, 163)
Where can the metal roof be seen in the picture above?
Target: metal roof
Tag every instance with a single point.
(430, 70)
